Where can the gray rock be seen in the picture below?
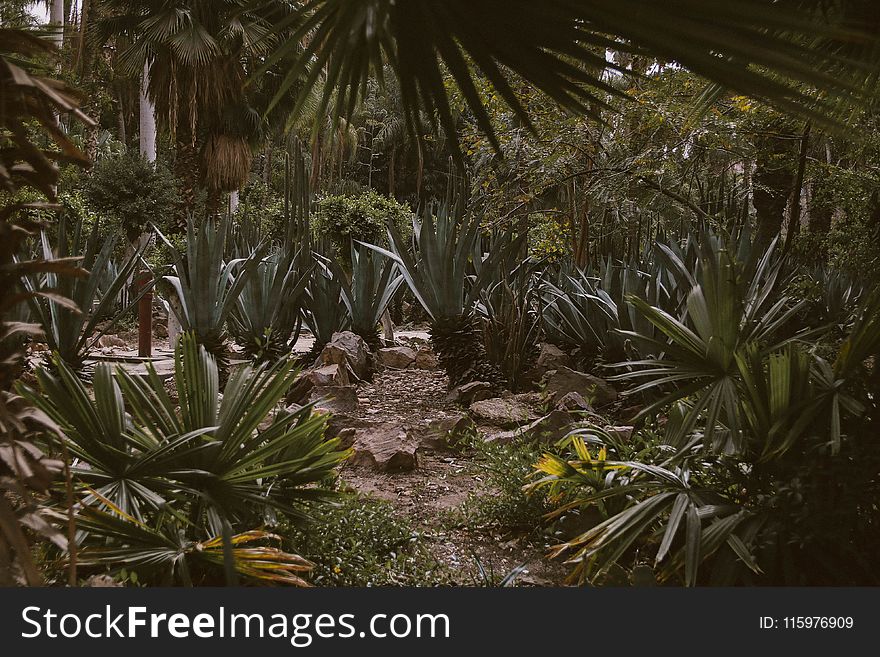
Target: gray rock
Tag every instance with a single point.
(503, 413)
(300, 390)
(470, 393)
(335, 399)
(347, 349)
(386, 447)
(445, 432)
(397, 357)
(573, 401)
(561, 381)
(548, 429)
(552, 358)
(329, 375)
(426, 359)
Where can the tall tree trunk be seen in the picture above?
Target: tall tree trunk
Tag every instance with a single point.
(56, 22)
(772, 182)
(147, 119)
(392, 161)
(186, 166)
(794, 216)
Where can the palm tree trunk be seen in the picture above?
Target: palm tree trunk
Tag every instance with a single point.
(186, 166)
(56, 22)
(147, 119)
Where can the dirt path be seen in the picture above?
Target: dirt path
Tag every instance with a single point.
(431, 496)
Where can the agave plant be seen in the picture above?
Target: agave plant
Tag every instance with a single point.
(511, 324)
(325, 313)
(374, 282)
(75, 311)
(206, 285)
(441, 278)
(204, 464)
(731, 305)
(267, 316)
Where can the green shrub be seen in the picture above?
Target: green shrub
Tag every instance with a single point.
(502, 502)
(364, 542)
(364, 217)
(133, 192)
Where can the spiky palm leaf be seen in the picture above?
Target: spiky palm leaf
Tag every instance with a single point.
(801, 56)
(205, 464)
(30, 106)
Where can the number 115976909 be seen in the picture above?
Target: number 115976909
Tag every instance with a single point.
(807, 623)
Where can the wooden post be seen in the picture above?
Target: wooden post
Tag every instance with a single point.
(145, 315)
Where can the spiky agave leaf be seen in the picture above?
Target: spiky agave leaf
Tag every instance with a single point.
(207, 285)
(267, 315)
(70, 307)
(374, 282)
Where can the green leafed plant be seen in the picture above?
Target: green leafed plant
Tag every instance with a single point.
(763, 471)
(161, 475)
(208, 286)
(75, 311)
(267, 315)
(325, 313)
(374, 282)
(446, 275)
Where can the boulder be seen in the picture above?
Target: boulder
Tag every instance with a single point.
(347, 349)
(329, 375)
(548, 429)
(503, 413)
(426, 359)
(337, 423)
(445, 432)
(471, 392)
(386, 447)
(107, 341)
(335, 399)
(397, 357)
(552, 358)
(300, 389)
(563, 380)
(573, 402)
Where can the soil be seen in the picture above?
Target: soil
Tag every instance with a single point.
(431, 496)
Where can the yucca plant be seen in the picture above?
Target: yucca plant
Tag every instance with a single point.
(441, 277)
(374, 282)
(267, 315)
(75, 311)
(732, 305)
(325, 312)
(509, 312)
(191, 471)
(764, 471)
(207, 285)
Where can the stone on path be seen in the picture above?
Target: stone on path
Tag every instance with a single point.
(503, 413)
(397, 357)
(385, 447)
(347, 349)
(561, 381)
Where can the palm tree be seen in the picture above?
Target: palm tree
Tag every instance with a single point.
(197, 52)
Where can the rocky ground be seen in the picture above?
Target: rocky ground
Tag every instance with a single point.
(409, 435)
